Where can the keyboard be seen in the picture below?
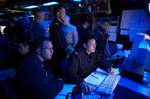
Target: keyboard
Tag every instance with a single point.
(109, 84)
(101, 82)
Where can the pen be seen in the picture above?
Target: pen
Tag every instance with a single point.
(94, 76)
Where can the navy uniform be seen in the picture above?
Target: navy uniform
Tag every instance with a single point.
(80, 65)
(35, 80)
(59, 46)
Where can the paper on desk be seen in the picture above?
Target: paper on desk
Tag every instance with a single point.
(95, 78)
(101, 71)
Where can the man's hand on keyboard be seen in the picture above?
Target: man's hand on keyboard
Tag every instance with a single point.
(111, 71)
(85, 87)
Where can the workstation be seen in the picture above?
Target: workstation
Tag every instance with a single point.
(75, 49)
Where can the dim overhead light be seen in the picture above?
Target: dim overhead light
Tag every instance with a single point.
(31, 7)
(77, 0)
(50, 3)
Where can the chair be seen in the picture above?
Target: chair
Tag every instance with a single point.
(7, 88)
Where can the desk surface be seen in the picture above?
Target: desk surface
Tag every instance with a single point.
(68, 88)
(124, 82)
(134, 86)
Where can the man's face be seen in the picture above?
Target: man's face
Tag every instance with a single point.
(61, 14)
(86, 25)
(147, 37)
(46, 51)
(105, 25)
(91, 45)
(41, 15)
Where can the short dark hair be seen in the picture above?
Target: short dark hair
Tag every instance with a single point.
(57, 8)
(39, 11)
(103, 20)
(37, 43)
(89, 37)
(83, 21)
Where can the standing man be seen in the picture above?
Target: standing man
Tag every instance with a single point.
(83, 31)
(58, 39)
(102, 51)
(39, 27)
(71, 36)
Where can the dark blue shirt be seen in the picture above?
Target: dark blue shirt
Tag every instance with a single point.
(35, 79)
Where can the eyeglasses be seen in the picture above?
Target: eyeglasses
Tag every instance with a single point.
(51, 49)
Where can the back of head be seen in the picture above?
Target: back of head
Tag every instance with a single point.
(40, 14)
(84, 21)
(89, 37)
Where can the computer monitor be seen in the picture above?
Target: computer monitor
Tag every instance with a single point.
(138, 60)
(143, 57)
(112, 33)
(141, 51)
(149, 7)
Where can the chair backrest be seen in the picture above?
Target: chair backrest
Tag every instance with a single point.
(6, 83)
(7, 73)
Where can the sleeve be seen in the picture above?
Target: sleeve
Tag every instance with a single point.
(48, 88)
(73, 69)
(75, 36)
(43, 85)
(100, 61)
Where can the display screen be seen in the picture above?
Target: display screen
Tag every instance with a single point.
(149, 7)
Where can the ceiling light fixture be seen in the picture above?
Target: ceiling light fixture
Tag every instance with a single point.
(31, 7)
(50, 3)
(77, 0)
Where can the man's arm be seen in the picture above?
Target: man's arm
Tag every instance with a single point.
(73, 69)
(42, 82)
(75, 36)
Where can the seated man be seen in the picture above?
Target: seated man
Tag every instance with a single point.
(19, 51)
(34, 78)
(82, 63)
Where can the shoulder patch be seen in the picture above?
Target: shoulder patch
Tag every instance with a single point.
(56, 23)
(76, 53)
